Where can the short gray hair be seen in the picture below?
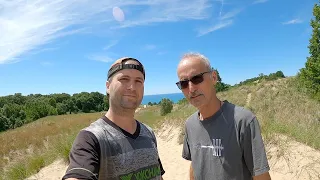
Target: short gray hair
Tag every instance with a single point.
(201, 57)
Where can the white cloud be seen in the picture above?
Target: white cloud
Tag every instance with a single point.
(259, 1)
(170, 11)
(221, 8)
(101, 58)
(231, 14)
(110, 45)
(223, 20)
(293, 21)
(27, 25)
(219, 25)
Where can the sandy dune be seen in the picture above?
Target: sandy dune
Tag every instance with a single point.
(304, 161)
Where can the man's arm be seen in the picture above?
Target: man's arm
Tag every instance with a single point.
(264, 176)
(191, 173)
(84, 158)
(254, 151)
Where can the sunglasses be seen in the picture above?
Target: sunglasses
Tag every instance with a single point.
(197, 79)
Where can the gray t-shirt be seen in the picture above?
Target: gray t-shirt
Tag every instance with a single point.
(105, 151)
(227, 145)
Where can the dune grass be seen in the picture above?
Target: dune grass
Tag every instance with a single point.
(278, 105)
(281, 108)
(29, 148)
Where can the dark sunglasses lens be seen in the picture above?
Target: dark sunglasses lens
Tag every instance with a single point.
(197, 79)
(184, 84)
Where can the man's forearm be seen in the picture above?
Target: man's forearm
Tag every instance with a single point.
(265, 176)
(191, 173)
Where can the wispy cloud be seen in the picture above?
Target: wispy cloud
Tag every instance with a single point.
(259, 1)
(219, 25)
(231, 14)
(110, 45)
(169, 11)
(221, 8)
(222, 21)
(34, 23)
(101, 58)
(293, 21)
(149, 47)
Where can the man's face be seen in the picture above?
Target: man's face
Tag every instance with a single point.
(197, 94)
(126, 88)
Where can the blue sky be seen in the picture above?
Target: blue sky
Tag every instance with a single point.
(68, 45)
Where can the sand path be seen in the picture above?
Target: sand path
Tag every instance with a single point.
(288, 160)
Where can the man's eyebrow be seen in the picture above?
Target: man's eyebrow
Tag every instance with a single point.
(127, 76)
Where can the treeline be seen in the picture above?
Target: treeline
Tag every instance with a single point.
(221, 86)
(17, 110)
(271, 76)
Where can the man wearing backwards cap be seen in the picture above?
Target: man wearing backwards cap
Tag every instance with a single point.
(116, 146)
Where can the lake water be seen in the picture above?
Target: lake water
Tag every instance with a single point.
(175, 97)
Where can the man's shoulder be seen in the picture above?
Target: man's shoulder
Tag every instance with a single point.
(146, 128)
(96, 127)
(192, 118)
(144, 125)
(241, 114)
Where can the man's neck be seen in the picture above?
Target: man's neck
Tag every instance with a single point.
(210, 109)
(125, 121)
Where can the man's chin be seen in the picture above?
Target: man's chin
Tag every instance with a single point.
(130, 105)
(196, 103)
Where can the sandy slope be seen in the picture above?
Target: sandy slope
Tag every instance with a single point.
(304, 161)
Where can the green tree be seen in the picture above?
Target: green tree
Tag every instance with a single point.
(166, 106)
(310, 75)
(53, 102)
(183, 101)
(220, 86)
(62, 108)
(280, 74)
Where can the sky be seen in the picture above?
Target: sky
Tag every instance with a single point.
(67, 46)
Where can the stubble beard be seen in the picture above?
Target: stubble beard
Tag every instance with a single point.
(127, 104)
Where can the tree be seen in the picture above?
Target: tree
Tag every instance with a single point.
(280, 74)
(220, 86)
(309, 76)
(166, 106)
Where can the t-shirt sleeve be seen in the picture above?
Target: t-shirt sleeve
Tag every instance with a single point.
(161, 168)
(84, 157)
(254, 149)
(186, 148)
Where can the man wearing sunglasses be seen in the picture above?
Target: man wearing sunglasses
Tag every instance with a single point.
(116, 146)
(222, 140)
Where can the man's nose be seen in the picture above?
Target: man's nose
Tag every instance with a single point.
(191, 86)
(132, 85)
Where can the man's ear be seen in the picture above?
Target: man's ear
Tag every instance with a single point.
(214, 77)
(107, 86)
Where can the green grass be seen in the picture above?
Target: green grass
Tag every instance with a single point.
(28, 148)
(38, 144)
(278, 105)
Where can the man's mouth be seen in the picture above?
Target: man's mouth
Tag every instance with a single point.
(195, 96)
(129, 95)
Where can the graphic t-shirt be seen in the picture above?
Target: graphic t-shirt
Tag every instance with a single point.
(105, 151)
(227, 145)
